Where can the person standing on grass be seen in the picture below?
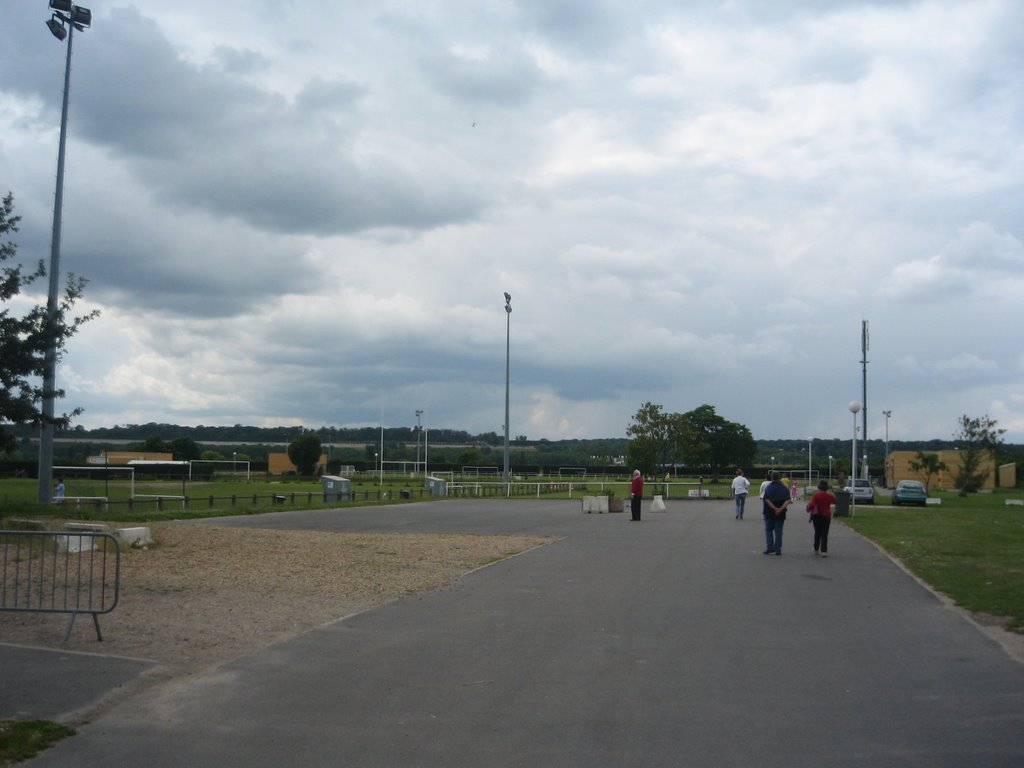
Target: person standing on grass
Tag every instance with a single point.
(60, 491)
(740, 487)
(820, 507)
(636, 493)
(776, 500)
(764, 484)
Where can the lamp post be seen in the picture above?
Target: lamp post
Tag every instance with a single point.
(810, 442)
(65, 20)
(885, 470)
(830, 470)
(854, 409)
(508, 326)
(419, 429)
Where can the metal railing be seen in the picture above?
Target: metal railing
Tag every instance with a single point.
(60, 572)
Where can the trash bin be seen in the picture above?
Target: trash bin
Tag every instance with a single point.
(405, 494)
(843, 499)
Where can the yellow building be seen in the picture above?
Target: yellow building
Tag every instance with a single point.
(897, 467)
(280, 464)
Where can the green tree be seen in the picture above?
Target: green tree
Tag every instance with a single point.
(976, 438)
(304, 452)
(26, 338)
(154, 444)
(650, 446)
(185, 449)
(928, 465)
(715, 442)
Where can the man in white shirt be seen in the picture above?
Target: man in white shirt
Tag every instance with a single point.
(740, 487)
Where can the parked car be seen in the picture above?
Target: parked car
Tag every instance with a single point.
(909, 492)
(863, 493)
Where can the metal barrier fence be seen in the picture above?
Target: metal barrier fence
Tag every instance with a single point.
(60, 572)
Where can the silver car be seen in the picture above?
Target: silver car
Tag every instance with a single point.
(863, 492)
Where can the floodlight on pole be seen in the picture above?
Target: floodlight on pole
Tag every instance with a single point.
(62, 24)
(810, 442)
(854, 409)
(508, 326)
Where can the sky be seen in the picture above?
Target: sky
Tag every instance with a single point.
(297, 213)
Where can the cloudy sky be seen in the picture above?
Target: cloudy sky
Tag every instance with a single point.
(307, 213)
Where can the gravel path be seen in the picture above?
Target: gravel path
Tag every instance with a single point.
(204, 595)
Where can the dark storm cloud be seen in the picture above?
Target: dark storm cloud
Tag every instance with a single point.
(202, 139)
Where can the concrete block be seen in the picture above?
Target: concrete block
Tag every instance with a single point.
(134, 537)
(75, 543)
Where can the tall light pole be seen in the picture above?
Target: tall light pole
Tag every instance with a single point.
(885, 466)
(508, 326)
(854, 409)
(810, 441)
(419, 429)
(65, 20)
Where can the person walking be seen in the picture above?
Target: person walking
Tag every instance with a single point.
(636, 493)
(740, 488)
(820, 507)
(764, 484)
(776, 500)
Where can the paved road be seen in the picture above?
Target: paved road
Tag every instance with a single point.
(669, 642)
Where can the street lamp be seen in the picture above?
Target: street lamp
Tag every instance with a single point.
(830, 470)
(418, 430)
(810, 441)
(854, 409)
(885, 470)
(65, 20)
(508, 326)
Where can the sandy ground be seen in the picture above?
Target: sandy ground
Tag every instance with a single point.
(204, 595)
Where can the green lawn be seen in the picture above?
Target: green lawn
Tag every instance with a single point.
(971, 549)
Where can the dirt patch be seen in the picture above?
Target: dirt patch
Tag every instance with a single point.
(204, 595)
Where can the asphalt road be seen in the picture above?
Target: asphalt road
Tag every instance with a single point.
(668, 642)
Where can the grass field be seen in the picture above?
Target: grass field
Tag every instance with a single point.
(971, 549)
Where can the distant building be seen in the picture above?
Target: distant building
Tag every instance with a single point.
(280, 464)
(123, 458)
(897, 467)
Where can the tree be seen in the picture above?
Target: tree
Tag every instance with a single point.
(304, 452)
(154, 444)
(927, 465)
(185, 449)
(976, 439)
(651, 446)
(25, 339)
(717, 443)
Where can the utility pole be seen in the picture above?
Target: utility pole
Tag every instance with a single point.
(865, 343)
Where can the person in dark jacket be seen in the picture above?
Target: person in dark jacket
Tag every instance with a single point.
(776, 500)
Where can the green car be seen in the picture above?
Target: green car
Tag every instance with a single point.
(909, 492)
